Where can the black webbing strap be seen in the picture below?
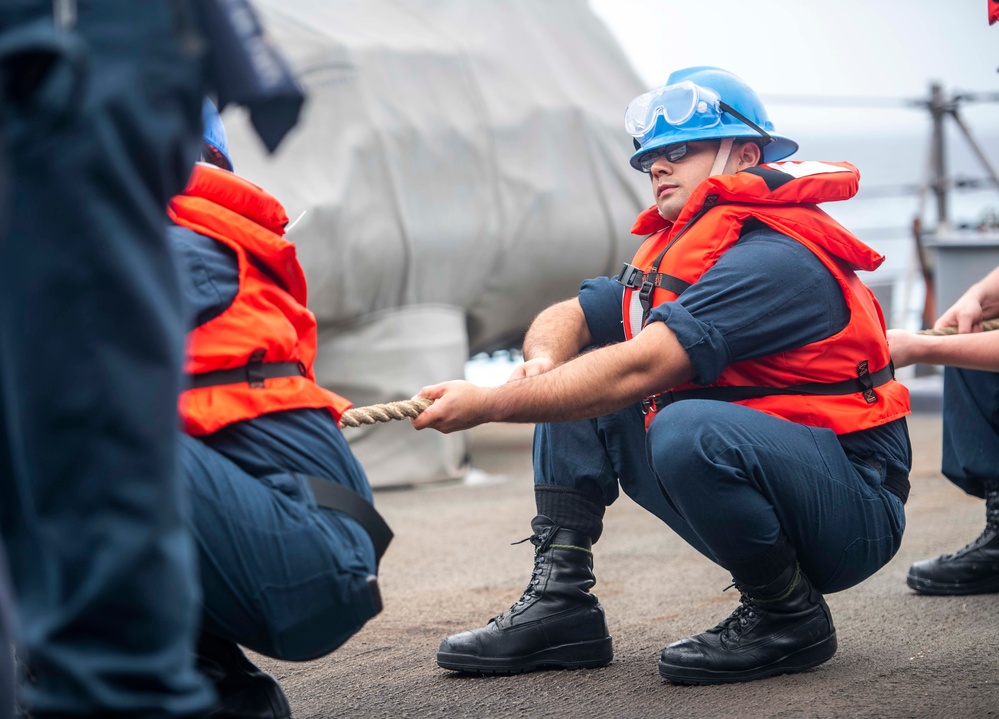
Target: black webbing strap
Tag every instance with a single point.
(335, 496)
(898, 485)
(864, 382)
(632, 277)
(253, 373)
(654, 278)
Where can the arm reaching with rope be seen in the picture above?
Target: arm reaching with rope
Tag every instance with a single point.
(970, 350)
(979, 303)
(971, 347)
(591, 385)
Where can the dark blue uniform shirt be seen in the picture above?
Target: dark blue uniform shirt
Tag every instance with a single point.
(766, 294)
(302, 441)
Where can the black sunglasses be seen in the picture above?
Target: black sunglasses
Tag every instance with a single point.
(672, 153)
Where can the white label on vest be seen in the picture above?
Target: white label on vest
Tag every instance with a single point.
(806, 168)
(635, 313)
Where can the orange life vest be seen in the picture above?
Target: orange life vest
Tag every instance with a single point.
(844, 382)
(257, 356)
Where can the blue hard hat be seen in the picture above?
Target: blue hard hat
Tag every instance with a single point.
(214, 131)
(702, 103)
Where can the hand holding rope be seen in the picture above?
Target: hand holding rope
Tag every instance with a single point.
(356, 416)
(409, 408)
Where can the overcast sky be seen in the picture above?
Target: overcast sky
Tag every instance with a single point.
(865, 48)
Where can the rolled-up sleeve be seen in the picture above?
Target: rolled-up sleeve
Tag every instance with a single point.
(601, 299)
(767, 294)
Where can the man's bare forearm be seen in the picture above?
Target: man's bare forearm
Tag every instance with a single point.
(595, 384)
(558, 333)
(599, 382)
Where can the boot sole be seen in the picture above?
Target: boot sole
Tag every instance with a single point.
(801, 660)
(583, 655)
(929, 586)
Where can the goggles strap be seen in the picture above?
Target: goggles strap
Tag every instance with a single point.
(724, 150)
(735, 113)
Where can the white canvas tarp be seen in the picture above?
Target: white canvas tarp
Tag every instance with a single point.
(461, 165)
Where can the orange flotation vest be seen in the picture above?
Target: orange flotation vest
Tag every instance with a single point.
(844, 382)
(257, 356)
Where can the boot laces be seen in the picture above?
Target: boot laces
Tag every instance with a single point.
(991, 525)
(738, 621)
(531, 593)
(992, 509)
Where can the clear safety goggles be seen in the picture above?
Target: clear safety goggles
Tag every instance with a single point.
(685, 105)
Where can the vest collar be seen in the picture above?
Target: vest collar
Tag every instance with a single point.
(238, 195)
(650, 221)
(776, 183)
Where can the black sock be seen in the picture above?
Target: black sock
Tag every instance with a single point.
(571, 509)
(767, 567)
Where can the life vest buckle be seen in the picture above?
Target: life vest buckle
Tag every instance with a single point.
(864, 374)
(647, 405)
(631, 276)
(651, 405)
(254, 369)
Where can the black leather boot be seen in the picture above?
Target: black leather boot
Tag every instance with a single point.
(973, 569)
(245, 692)
(555, 623)
(780, 628)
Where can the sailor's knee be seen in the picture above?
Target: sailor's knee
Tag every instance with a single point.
(684, 428)
(308, 629)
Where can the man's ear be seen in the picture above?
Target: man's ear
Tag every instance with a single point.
(747, 154)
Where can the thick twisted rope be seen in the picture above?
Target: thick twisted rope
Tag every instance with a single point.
(409, 408)
(987, 325)
(356, 416)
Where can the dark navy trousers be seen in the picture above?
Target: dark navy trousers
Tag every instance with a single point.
(280, 575)
(91, 341)
(730, 480)
(6, 643)
(971, 429)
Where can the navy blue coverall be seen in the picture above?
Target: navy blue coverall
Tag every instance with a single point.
(279, 574)
(730, 480)
(971, 429)
(91, 343)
